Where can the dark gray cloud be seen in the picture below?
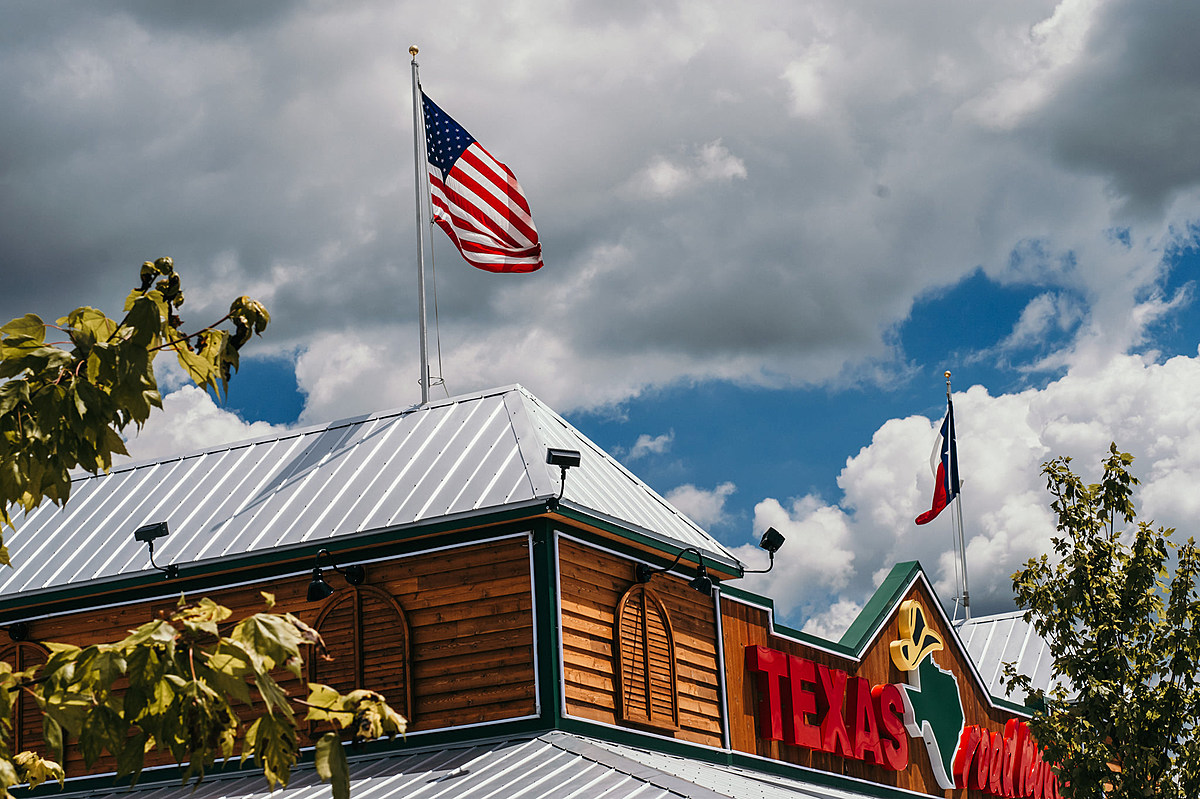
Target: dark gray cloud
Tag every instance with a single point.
(721, 193)
(1130, 109)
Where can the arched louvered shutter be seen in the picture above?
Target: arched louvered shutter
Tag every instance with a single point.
(646, 660)
(27, 724)
(338, 625)
(384, 649)
(366, 638)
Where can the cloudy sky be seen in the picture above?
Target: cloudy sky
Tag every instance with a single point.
(768, 229)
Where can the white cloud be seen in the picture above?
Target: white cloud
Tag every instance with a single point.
(191, 421)
(705, 507)
(647, 444)
(836, 554)
(816, 561)
(831, 624)
(805, 80)
(707, 163)
(1042, 314)
(355, 372)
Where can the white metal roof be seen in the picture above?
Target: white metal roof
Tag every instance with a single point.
(555, 765)
(992, 641)
(454, 459)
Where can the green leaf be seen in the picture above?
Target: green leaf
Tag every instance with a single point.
(132, 756)
(30, 327)
(332, 766)
(326, 704)
(202, 617)
(273, 746)
(275, 697)
(157, 632)
(34, 770)
(269, 640)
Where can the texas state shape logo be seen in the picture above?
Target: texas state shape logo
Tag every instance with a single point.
(933, 709)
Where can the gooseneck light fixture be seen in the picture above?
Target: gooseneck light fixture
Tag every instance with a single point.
(148, 533)
(318, 589)
(771, 541)
(701, 582)
(564, 459)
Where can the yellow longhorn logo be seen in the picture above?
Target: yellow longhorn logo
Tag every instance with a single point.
(917, 640)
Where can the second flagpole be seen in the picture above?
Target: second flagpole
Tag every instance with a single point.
(960, 542)
(419, 183)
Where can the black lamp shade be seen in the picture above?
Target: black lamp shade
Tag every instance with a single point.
(318, 589)
(772, 540)
(702, 582)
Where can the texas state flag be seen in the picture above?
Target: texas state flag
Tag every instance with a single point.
(944, 463)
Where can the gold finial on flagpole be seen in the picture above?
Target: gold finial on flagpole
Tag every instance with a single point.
(412, 51)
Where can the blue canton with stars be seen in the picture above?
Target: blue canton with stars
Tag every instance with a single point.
(445, 138)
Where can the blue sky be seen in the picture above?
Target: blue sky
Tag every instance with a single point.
(767, 232)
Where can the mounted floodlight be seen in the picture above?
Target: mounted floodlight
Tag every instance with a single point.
(701, 582)
(148, 533)
(564, 459)
(771, 541)
(318, 589)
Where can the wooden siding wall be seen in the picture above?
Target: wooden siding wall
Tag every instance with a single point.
(27, 719)
(745, 625)
(469, 610)
(592, 583)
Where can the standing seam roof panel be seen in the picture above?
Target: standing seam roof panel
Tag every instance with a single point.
(163, 511)
(26, 542)
(205, 527)
(332, 492)
(215, 469)
(239, 532)
(461, 472)
(382, 480)
(294, 477)
(99, 538)
(496, 459)
(268, 459)
(443, 467)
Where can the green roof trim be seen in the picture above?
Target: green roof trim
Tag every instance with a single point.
(881, 605)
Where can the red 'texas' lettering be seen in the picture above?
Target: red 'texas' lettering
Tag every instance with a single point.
(808, 704)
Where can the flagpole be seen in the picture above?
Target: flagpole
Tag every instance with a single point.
(960, 542)
(420, 180)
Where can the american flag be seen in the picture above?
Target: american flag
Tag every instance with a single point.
(476, 199)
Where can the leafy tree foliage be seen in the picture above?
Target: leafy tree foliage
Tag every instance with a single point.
(174, 683)
(1124, 627)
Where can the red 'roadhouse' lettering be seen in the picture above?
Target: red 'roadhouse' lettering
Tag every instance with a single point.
(1008, 764)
